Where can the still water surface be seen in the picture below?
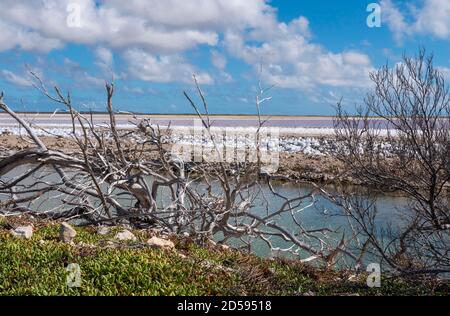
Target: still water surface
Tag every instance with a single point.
(323, 214)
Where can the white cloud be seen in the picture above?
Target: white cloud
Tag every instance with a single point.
(201, 14)
(18, 80)
(105, 57)
(158, 26)
(290, 60)
(80, 76)
(395, 19)
(218, 60)
(153, 35)
(13, 36)
(162, 69)
(432, 18)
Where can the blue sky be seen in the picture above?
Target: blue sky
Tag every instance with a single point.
(314, 52)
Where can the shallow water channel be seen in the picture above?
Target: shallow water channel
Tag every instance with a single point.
(322, 214)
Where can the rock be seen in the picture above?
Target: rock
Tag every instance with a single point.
(103, 230)
(67, 233)
(160, 243)
(23, 232)
(225, 247)
(125, 235)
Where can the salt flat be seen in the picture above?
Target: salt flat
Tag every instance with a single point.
(298, 125)
(45, 119)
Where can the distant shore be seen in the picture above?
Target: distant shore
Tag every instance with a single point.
(177, 116)
(280, 116)
(296, 125)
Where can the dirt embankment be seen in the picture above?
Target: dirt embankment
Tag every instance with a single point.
(295, 166)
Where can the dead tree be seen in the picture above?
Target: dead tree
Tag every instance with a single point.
(132, 177)
(400, 141)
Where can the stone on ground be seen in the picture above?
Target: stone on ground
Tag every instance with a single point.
(160, 243)
(125, 235)
(103, 230)
(67, 233)
(25, 232)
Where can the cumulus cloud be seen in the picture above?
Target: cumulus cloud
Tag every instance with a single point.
(13, 78)
(153, 35)
(217, 15)
(291, 60)
(159, 26)
(13, 36)
(163, 69)
(105, 57)
(431, 18)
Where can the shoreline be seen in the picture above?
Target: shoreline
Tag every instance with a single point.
(181, 121)
(181, 115)
(293, 166)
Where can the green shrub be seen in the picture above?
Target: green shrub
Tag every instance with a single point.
(38, 267)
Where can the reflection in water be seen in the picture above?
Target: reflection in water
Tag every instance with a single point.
(322, 214)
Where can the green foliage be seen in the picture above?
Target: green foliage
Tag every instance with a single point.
(38, 267)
